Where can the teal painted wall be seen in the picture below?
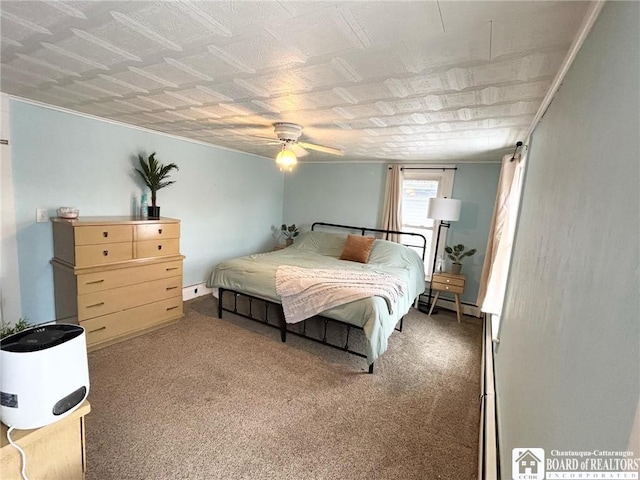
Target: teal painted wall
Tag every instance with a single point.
(228, 202)
(353, 194)
(568, 363)
(345, 193)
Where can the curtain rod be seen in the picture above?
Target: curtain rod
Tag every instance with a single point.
(513, 157)
(426, 168)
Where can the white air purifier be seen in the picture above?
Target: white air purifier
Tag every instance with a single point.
(44, 375)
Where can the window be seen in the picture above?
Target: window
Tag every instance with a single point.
(418, 186)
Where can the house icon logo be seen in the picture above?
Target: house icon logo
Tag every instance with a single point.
(527, 463)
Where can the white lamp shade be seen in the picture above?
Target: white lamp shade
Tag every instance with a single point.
(445, 209)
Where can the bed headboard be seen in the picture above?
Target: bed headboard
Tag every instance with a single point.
(421, 241)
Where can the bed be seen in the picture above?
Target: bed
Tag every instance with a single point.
(254, 278)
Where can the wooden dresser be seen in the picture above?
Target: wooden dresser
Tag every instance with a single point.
(117, 276)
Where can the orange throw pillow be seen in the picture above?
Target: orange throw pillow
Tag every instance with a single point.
(357, 248)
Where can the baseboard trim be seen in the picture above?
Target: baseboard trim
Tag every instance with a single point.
(194, 291)
(467, 309)
(488, 450)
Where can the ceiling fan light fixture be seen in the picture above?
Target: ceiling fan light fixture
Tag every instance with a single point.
(286, 159)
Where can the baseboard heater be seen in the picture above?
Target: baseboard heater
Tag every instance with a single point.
(488, 454)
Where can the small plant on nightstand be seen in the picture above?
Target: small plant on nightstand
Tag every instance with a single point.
(456, 254)
(289, 232)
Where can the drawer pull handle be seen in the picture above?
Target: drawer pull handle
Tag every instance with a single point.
(172, 268)
(448, 280)
(94, 282)
(159, 247)
(160, 231)
(105, 252)
(105, 234)
(171, 308)
(95, 305)
(97, 329)
(447, 287)
(171, 288)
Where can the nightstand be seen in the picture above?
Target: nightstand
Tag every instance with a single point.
(448, 282)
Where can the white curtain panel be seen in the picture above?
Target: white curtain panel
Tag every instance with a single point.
(392, 211)
(493, 281)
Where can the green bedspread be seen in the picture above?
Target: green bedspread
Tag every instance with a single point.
(255, 275)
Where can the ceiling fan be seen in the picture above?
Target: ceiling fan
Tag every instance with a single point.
(288, 135)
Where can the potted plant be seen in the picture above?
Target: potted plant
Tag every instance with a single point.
(7, 329)
(289, 232)
(154, 175)
(456, 254)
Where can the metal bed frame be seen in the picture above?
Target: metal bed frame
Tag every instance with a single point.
(282, 325)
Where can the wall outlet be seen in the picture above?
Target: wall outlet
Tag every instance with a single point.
(42, 215)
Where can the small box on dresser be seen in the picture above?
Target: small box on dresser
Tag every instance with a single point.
(117, 276)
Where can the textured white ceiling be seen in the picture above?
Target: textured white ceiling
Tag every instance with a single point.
(409, 81)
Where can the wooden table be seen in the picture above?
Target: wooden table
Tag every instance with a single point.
(54, 452)
(448, 282)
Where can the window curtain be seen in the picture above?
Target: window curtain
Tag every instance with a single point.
(493, 281)
(392, 211)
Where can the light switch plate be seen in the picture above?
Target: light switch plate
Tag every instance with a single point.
(42, 215)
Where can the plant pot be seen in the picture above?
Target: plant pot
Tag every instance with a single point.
(289, 241)
(153, 213)
(456, 268)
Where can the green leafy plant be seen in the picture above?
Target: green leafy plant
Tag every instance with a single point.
(7, 329)
(154, 174)
(290, 231)
(457, 253)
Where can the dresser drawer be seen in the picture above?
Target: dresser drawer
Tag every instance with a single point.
(109, 327)
(445, 287)
(157, 231)
(450, 280)
(96, 304)
(100, 234)
(108, 279)
(100, 254)
(157, 248)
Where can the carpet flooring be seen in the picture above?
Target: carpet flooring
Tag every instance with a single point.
(224, 399)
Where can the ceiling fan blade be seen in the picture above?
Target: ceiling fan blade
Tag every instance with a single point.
(320, 148)
(298, 150)
(264, 138)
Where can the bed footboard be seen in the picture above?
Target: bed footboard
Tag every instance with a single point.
(281, 325)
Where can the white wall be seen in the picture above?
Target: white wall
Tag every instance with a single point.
(10, 300)
(568, 363)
